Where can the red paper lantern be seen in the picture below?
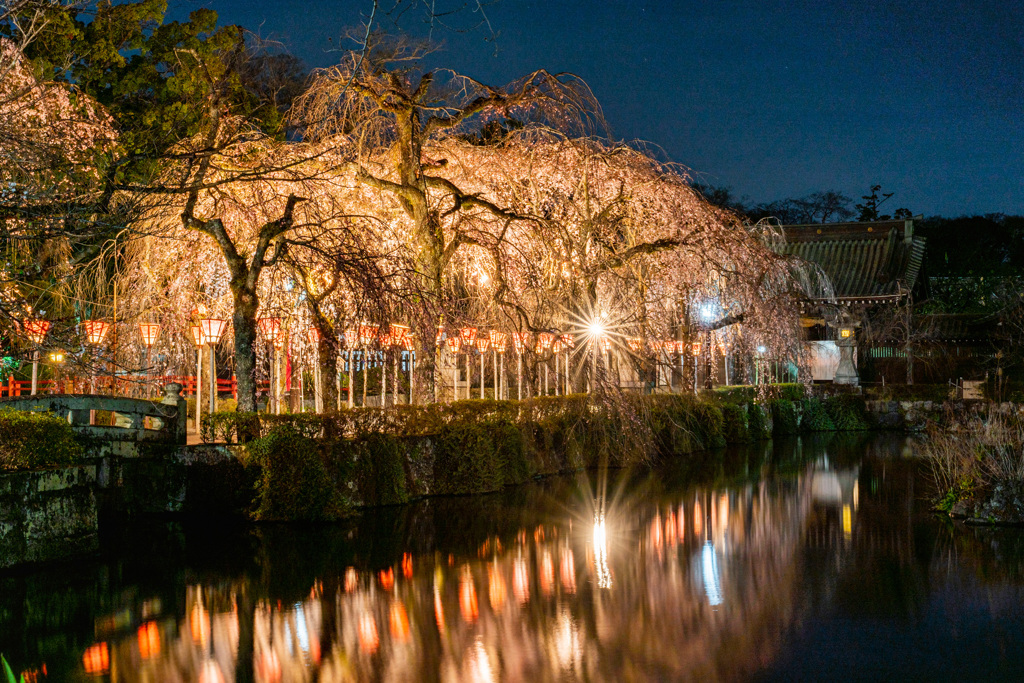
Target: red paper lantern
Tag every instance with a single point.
(95, 330)
(213, 329)
(36, 329)
(150, 333)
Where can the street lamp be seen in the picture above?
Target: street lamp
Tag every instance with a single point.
(36, 331)
(483, 343)
(95, 333)
(453, 345)
(149, 332)
(270, 328)
(568, 343)
(212, 330)
(468, 337)
(314, 336)
(499, 341)
(351, 342)
(519, 340)
(367, 333)
(197, 338)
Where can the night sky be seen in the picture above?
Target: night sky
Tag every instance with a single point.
(774, 99)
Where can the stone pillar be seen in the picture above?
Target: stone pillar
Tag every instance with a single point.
(173, 397)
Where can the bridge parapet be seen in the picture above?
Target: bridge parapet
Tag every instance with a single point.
(133, 419)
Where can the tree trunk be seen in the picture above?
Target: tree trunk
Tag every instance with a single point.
(328, 359)
(244, 324)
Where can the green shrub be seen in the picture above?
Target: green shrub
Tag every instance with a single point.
(909, 392)
(8, 674)
(295, 480)
(848, 412)
(29, 440)
(710, 424)
(510, 450)
(814, 417)
(736, 425)
(465, 461)
(227, 405)
(759, 422)
(784, 417)
(380, 470)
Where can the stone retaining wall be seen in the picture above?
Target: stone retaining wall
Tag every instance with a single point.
(48, 514)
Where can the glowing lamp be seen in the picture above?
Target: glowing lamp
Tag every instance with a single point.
(440, 336)
(681, 347)
(545, 340)
(57, 357)
(696, 348)
(367, 333)
(270, 328)
(454, 343)
(197, 334)
(846, 333)
(606, 343)
(95, 330)
(634, 343)
(498, 337)
(670, 346)
(500, 344)
(568, 341)
(313, 335)
(36, 329)
(468, 335)
(762, 350)
(519, 340)
(398, 333)
(150, 333)
(213, 329)
(557, 348)
(351, 338)
(384, 340)
(483, 343)
(409, 342)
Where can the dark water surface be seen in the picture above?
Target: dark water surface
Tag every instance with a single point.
(812, 559)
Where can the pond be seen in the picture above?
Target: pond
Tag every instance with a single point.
(812, 558)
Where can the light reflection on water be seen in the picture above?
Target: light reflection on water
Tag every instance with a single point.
(706, 576)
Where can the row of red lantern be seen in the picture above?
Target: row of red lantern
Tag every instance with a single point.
(95, 331)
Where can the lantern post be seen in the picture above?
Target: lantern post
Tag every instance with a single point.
(499, 341)
(410, 350)
(351, 341)
(95, 333)
(197, 338)
(483, 343)
(367, 333)
(453, 345)
(398, 335)
(213, 330)
(149, 332)
(313, 335)
(519, 342)
(468, 337)
(36, 331)
(270, 328)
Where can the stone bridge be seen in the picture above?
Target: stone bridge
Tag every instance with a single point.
(114, 418)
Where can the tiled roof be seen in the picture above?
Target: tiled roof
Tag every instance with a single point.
(862, 260)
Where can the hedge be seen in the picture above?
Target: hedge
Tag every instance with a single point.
(814, 417)
(30, 440)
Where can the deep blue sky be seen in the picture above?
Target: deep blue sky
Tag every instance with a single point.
(775, 99)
